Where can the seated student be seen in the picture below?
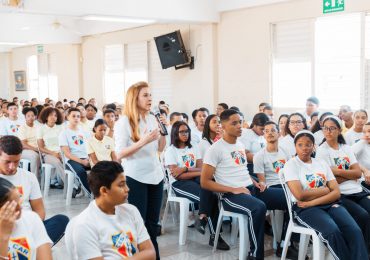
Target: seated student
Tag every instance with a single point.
(361, 149)
(269, 112)
(91, 113)
(346, 170)
(316, 129)
(296, 122)
(225, 161)
(221, 107)
(11, 124)
(185, 118)
(314, 118)
(355, 134)
(184, 163)
(27, 134)
(47, 140)
(100, 147)
(315, 195)
(199, 117)
(85, 124)
(283, 118)
(212, 132)
(109, 117)
(27, 185)
(346, 115)
(110, 228)
(72, 141)
(22, 234)
(174, 117)
(253, 139)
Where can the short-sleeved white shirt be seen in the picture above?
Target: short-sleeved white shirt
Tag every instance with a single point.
(113, 237)
(50, 136)
(144, 165)
(352, 137)
(311, 175)
(270, 164)
(361, 150)
(76, 140)
(230, 163)
(203, 147)
(28, 134)
(196, 135)
(342, 158)
(10, 127)
(319, 137)
(29, 233)
(287, 144)
(27, 185)
(252, 142)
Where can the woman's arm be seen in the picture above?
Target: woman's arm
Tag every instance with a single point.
(353, 173)
(42, 148)
(44, 252)
(93, 158)
(130, 150)
(8, 216)
(161, 143)
(183, 173)
(296, 189)
(28, 147)
(366, 174)
(331, 197)
(114, 157)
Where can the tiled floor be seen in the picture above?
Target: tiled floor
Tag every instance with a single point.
(196, 246)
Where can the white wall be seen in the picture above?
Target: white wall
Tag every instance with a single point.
(244, 49)
(5, 74)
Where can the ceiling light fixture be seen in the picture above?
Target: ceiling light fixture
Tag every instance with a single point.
(13, 43)
(117, 19)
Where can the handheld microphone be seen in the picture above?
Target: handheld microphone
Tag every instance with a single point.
(157, 115)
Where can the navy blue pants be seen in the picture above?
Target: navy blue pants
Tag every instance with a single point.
(55, 227)
(336, 228)
(148, 200)
(80, 170)
(208, 201)
(273, 197)
(255, 209)
(358, 205)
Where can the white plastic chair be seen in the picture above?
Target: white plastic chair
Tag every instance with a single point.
(46, 170)
(239, 222)
(24, 164)
(69, 180)
(277, 221)
(69, 241)
(305, 233)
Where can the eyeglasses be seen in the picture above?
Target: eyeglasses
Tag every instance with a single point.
(310, 145)
(272, 131)
(329, 129)
(298, 122)
(184, 132)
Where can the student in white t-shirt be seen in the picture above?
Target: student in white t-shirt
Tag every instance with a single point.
(27, 186)
(316, 129)
(315, 194)
(10, 125)
(174, 117)
(199, 116)
(110, 228)
(355, 134)
(253, 138)
(47, 139)
(72, 142)
(296, 122)
(184, 164)
(361, 150)
(22, 234)
(343, 163)
(226, 162)
(283, 119)
(212, 132)
(27, 134)
(85, 124)
(109, 117)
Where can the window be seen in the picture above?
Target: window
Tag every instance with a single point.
(321, 57)
(114, 87)
(136, 62)
(33, 76)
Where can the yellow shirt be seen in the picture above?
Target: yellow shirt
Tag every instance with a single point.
(50, 135)
(103, 149)
(87, 125)
(28, 134)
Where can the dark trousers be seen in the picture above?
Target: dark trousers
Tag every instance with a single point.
(208, 201)
(148, 200)
(55, 227)
(358, 205)
(336, 228)
(80, 170)
(255, 209)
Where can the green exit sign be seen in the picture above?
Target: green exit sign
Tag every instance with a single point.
(331, 6)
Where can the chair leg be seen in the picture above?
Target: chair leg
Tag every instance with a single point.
(303, 245)
(318, 248)
(234, 231)
(244, 246)
(184, 209)
(47, 175)
(70, 181)
(218, 229)
(277, 219)
(164, 218)
(286, 240)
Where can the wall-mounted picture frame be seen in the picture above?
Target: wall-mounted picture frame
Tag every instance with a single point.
(20, 80)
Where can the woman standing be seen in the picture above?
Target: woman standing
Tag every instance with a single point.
(138, 142)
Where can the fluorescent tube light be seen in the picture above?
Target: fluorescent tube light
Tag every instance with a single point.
(117, 19)
(13, 43)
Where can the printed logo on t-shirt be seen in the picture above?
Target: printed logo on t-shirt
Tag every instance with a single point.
(356, 141)
(123, 242)
(14, 128)
(342, 163)
(316, 180)
(78, 139)
(19, 249)
(239, 157)
(278, 165)
(20, 191)
(189, 160)
(107, 146)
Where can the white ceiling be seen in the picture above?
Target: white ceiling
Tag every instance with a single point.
(56, 21)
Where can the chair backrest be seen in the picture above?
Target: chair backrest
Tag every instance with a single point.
(286, 192)
(24, 164)
(69, 241)
(40, 154)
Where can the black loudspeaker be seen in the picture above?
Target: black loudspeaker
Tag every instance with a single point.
(171, 50)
